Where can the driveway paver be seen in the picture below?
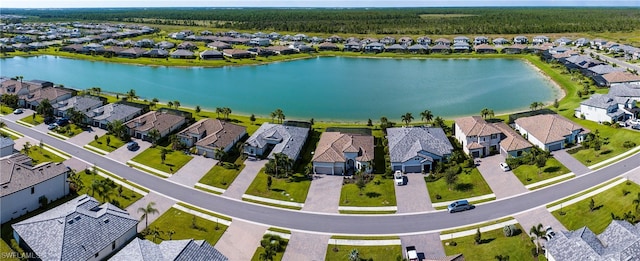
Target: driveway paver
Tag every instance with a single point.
(15, 117)
(244, 179)
(123, 154)
(502, 183)
(240, 240)
(194, 170)
(306, 246)
(162, 204)
(413, 195)
(86, 136)
(324, 194)
(427, 245)
(570, 162)
(76, 164)
(19, 143)
(538, 216)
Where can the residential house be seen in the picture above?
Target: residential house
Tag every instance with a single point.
(597, 44)
(187, 249)
(540, 39)
(281, 50)
(581, 42)
(520, 39)
(418, 48)
(6, 146)
(53, 94)
(328, 46)
(83, 104)
(343, 154)
(461, 47)
(334, 39)
(396, 48)
(614, 78)
(211, 134)
(512, 144)
(352, 46)
(416, 149)
(480, 40)
(631, 91)
(183, 54)
(424, 40)
(603, 69)
(260, 42)
(388, 40)
(165, 45)
(563, 41)
(134, 52)
(500, 41)
(514, 49)
(217, 45)
(485, 48)
(278, 138)
(405, 41)
(25, 185)
(619, 241)
(374, 47)
(461, 39)
(74, 48)
(145, 43)
(163, 121)
(156, 53)
(442, 41)
(477, 137)
(441, 48)
(186, 45)
(80, 229)
(102, 116)
(606, 108)
(211, 55)
(550, 131)
(236, 53)
(260, 51)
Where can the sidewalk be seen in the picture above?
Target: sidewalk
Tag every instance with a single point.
(244, 179)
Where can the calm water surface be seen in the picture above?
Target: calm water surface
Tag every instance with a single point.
(327, 88)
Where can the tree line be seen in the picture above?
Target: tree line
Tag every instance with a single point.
(506, 20)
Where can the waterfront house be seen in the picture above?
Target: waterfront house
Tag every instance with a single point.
(211, 55)
(500, 41)
(352, 46)
(477, 137)
(52, 94)
(163, 121)
(111, 112)
(156, 53)
(374, 48)
(603, 69)
(614, 78)
(405, 41)
(328, 46)
(236, 53)
(461, 47)
(520, 39)
(607, 108)
(301, 47)
(183, 54)
(441, 48)
(281, 50)
(207, 135)
(416, 149)
(512, 144)
(485, 48)
(82, 104)
(396, 48)
(418, 48)
(514, 49)
(424, 40)
(134, 52)
(540, 39)
(626, 90)
(187, 249)
(260, 51)
(217, 45)
(343, 154)
(277, 138)
(80, 229)
(480, 40)
(26, 187)
(550, 132)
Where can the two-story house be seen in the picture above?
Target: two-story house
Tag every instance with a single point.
(211, 134)
(477, 137)
(606, 108)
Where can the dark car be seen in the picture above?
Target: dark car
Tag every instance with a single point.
(49, 120)
(62, 122)
(133, 146)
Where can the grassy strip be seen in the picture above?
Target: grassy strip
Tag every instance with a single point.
(271, 204)
(341, 252)
(204, 211)
(551, 183)
(89, 148)
(57, 150)
(354, 212)
(494, 243)
(365, 237)
(147, 171)
(23, 124)
(9, 134)
(485, 224)
(279, 230)
(582, 193)
(208, 190)
(186, 226)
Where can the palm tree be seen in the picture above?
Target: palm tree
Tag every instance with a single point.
(537, 232)
(226, 111)
(490, 113)
(439, 122)
(163, 154)
(533, 106)
(426, 116)
(153, 102)
(117, 129)
(218, 111)
(198, 109)
(154, 136)
(45, 108)
(131, 95)
(176, 104)
(170, 104)
(218, 154)
(407, 118)
(75, 181)
(484, 112)
(279, 114)
(146, 211)
(26, 148)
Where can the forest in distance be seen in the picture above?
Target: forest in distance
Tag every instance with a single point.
(416, 21)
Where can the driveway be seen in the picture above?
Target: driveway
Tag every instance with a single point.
(191, 173)
(538, 216)
(244, 179)
(123, 154)
(15, 117)
(240, 240)
(324, 194)
(413, 196)
(162, 204)
(306, 246)
(428, 245)
(76, 164)
(86, 136)
(502, 183)
(570, 162)
(19, 143)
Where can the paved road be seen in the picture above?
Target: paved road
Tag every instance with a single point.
(398, 224)
(607, 58)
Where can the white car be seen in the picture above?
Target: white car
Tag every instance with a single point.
(398, 178)
(634, 122)
(17, 111)
(504, 166)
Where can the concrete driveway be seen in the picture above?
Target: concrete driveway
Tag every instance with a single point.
(571, 163)
(123, 155)
(191, 173)
(162, 204)
(502, 183)
(306, 246)
(240, 240)
(538, 216)
(324, 194)
(15, 117)
(87, 136)
(428, 245)
(413, 195)
(244, 179)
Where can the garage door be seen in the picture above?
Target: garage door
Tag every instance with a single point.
(323, 170)
(554, 147)
(413, 169)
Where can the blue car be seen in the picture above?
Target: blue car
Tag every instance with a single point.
(133, 146)
(62, 121)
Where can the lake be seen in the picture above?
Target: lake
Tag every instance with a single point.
(324, 88)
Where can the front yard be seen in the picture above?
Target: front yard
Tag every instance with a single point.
(175, 225)
(223, 174)
(101, 143)
(173, 162)
(528, 174)
(294, 189)
(41, 155)
(120, 199)
(612, 142)
(393, 252)
(494, 243)
(68, 130)
(33, 120)
(379, 192)
(470, 183)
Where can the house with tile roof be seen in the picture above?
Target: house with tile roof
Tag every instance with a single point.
(23, 184)
(80, 229)
(211, 134)
(607, 108)
(614, 78)
(83, 104)
(163, 121)
(603, 69)
(512, 144)
(477, 137)
(619, 241)
(416, 149)
(550, 132)
(188, 249)
(276, 138)
(343, 154)
(102, 116)
(53, 94)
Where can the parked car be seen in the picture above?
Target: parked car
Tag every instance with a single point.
(412, 254)
(504, 166)
(62, 122)
(460, 205)
(549, 233)
(17, 111)
(636, 127)
(634, 122)
(133, 146)
(52, 126)
(398, 178)
(49, 120)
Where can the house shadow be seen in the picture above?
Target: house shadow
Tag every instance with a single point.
(551, 169)
(486, 240)
(464, 186)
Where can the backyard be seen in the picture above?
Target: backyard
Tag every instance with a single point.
(470, 183)
(528, 174)
(292, 189)
(101, 143)
(379, 192)
(173, 162)
(493, 243)
(175, 225)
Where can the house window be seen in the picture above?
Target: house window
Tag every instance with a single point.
(113, 245)
(33, 190)
(494, 136)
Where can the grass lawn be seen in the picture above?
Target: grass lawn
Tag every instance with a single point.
(528, 174)
(182, 224)
(174, 159)
(277, 257)
(470, 184)
(222, 177)
(281, 189)
(5, 249)
(379, 192)
(4, 109)
(365, 252)
(494, 243)
(42, 155)
(607, 202)
(8, 134)
(612, 138)
(68, 130)
(33, 121)
(125, 199)
(101, 143)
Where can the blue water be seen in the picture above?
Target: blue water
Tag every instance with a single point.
(325, 88)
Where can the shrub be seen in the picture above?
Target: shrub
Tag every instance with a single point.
(453, 243)
(628, 144)
(606, 123)
(438, 196)
(510, 230)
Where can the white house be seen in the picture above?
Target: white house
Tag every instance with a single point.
(260, 41)
(550, 131)
(606, 108)
(80, 229)
(278, 138)
(343, 153)
(211, 134)
(23, 185)
(477, 137)
(415, 149)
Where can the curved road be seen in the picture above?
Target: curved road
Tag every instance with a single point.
(397, 224)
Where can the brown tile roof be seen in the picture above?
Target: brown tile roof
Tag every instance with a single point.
(219, 134)
(549, 128)
(16, 173)
(474, 145)
(49, 93)
(484, 47)
(476, 126)
(333, 145)
(513, 140)
(618, 77)
(161, 121)
(235, 52)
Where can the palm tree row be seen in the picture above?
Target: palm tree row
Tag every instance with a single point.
(535, 105)
(487, 112)
(225, 112)
(278, 113)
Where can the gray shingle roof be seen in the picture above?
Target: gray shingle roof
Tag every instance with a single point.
(78, 103)
(625, 90)
(604, 69)
(75, 230)
(603, 100)
(406, 143)
(114, 111)
(189, 249)
(289, 139)
(16, 173)
(6, 142)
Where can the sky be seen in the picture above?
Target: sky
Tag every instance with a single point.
(305, 3)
